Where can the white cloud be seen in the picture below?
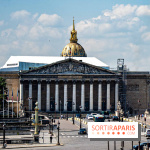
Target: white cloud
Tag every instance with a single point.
(21, 30)
(50, 20)
(20, 14)
(143, 10)
(142, 28)
(35, 15)
(146, 36)
(120, 11)
(1, 22)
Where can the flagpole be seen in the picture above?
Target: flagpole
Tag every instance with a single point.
(12, 103)
(3, 101)
(8, 102)
(17, 102)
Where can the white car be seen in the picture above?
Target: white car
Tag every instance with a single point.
(90, 117)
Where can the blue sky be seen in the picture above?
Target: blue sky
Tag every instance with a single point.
(107, 29)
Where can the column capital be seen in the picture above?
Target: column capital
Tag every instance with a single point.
(30, 81)
(100, 81)
(116, 81)
(74, 81)
(21, 81)
(108, 81)
(48, 81)
(91, 81)
(65, 81)
(39, 81)
(57, 81)
(82, 81)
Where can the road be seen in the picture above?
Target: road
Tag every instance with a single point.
(72, 141)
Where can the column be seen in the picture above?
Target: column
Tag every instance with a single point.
(74, 96)
(65, 96)
(116, 94)
(39, 95)
(108, 95)
(99, 95)
(48, 96)
(30, 95)
(82, 96)
(56, 96)
(21, 91)
(91, 96)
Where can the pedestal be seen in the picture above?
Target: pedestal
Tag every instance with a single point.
(36, 138)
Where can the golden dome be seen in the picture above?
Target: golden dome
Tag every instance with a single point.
(73, 49)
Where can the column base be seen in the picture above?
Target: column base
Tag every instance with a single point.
(99, 109)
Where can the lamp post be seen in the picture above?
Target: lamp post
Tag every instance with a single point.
(73, 112)
(67, 111)
(55, 110)
(80, 115)
(30, 98)
(58, 125)
(60, 108)
(146, 113)
(4, 125)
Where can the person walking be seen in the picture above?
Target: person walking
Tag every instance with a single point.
(51, 137)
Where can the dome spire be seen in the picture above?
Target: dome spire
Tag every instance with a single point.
(73, 38)
(73, 24)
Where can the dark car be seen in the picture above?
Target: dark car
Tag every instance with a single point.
(82, 131)
(141, 146)
(115, 118)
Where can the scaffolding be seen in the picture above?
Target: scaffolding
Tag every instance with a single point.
(121, 68)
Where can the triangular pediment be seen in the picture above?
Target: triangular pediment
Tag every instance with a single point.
(69, 66)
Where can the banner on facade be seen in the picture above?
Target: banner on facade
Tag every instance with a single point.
(114, 131)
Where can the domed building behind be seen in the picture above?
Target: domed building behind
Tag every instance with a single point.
(73, 49)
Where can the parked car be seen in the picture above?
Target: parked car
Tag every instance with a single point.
(78, 115)
(147, 133)
(82, 131)
(90, 117)
(141, 146)
(115, 118)
(87, 116)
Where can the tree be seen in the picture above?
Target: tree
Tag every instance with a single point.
(3, 85)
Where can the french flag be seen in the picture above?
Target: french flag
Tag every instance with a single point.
(17, 94)
(8, 95)
(12, 95)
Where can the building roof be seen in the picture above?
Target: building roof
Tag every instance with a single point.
(14, 61)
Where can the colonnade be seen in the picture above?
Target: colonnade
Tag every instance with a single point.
(73, 95)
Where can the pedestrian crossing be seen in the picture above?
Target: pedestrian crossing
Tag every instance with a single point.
(74, 136)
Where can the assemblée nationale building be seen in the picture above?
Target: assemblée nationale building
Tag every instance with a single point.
(74, 81)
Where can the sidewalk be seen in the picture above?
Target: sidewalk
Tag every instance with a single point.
(16, 146)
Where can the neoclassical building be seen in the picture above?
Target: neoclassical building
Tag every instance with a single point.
(73, 81)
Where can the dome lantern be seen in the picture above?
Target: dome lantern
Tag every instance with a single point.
(73, 49)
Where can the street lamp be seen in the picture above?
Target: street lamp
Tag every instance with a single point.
(60, 108)
(80, 115)
(55, 110)
(73, 112)
(30, 98)
(146, 113)
(58, 125)
(4, 143)
(67, 111)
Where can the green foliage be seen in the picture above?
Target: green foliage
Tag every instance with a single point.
(2, 84)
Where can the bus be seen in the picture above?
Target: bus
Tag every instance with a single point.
(98, 118)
